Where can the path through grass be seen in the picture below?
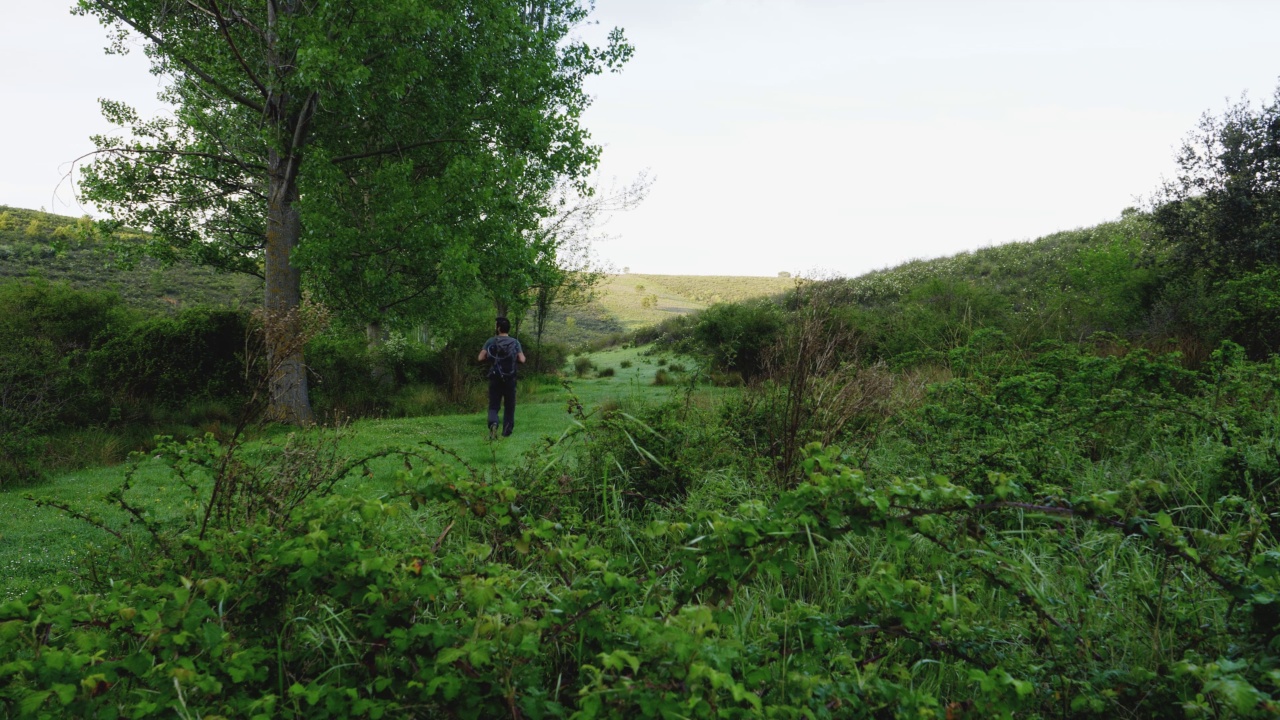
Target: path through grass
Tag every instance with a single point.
(42, 546)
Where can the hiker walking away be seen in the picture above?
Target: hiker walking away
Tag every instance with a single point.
(505, 352)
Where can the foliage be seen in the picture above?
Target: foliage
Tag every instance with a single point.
(46, 332)
(814, 389)
(1221, 214)
(735, 337)
(582, 365)
(354, 379)
(563, 590)
(566, 274)
(551, 356)
(199, 354)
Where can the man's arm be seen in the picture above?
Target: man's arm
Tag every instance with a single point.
(520, 357)
(484, 355)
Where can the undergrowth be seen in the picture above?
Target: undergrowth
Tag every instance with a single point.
(1044, 533)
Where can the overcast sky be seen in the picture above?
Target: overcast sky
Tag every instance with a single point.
(800, 135)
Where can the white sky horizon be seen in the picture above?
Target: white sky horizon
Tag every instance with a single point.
(800, 135)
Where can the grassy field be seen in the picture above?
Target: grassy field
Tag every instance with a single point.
(634, 300)
(45, 547)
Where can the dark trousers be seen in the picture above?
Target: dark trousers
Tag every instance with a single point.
(503, 391)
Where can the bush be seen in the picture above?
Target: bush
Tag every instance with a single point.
(606, 372)
(46, 330)
(172, 362)
(624, 364)
(662, 377)
(654, 454)
(549, 357)
(738, 336)
(726, 379)
(341, 375)
(582, 365)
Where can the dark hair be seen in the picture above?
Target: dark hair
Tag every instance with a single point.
(504, 325)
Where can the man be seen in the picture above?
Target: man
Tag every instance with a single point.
(505, 352)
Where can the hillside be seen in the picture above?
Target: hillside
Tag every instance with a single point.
(57, 248)
(638, 300)
(630, 301)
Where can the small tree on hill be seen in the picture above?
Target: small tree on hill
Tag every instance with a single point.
(1222, 211)
(568, 273)
(1221, 216)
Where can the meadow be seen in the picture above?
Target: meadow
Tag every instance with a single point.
(1029, 481)
(47, 546)
(993, 531)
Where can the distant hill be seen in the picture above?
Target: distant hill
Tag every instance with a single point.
(54, 247)
(629, 301)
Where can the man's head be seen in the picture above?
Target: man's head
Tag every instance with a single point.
(504, 325)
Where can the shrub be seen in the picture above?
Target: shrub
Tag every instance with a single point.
(174, 361)
(653, 454)
(624, 364)
(737, 336)
(548, 357)
(676, 368)
(606, 372)
(582, 365)
(662, 377)
(341, 374)
(46, 330)
(726, 379)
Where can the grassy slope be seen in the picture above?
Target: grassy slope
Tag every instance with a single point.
(36, 244)
(44, 546)
(621, 305)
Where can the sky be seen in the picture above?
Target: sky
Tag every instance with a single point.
(807, 136)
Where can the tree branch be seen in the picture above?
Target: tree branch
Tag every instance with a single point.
(299, 137)
(188, 64)
(390, 150)
(226, 33)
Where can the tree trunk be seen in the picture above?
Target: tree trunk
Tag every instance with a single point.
(290, 401)
(542, 312)
(375, 337)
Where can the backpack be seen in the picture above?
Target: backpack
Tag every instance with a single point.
(503, 352)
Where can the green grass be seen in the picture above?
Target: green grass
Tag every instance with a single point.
(50, 246)
(627, 302)
(42, 546)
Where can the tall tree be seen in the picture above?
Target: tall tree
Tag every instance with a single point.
(361, 142)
